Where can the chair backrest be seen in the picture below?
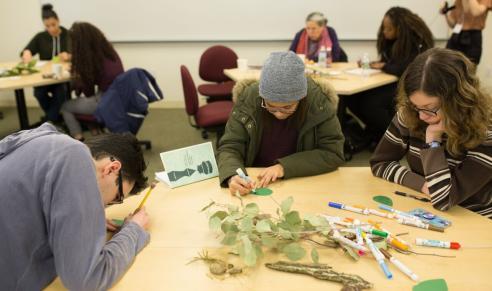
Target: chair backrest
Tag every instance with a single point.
(213, 62)
(189, 91)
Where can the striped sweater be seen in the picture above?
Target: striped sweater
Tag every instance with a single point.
(464, 180)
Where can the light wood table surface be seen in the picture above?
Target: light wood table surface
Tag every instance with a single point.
(344, 83)
(179, 231)
(18, 83)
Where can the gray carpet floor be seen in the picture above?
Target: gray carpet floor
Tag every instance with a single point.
(167, 129)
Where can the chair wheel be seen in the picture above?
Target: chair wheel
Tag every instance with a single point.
(204, 134)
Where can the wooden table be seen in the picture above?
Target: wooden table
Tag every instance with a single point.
(344, 83)
(179, 231)
(19, 83)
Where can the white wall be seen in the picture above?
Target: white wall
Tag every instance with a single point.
(20, 20)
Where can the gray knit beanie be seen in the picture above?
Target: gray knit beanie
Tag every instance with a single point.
(282, 78)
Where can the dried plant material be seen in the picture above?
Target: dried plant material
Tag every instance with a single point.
(322, 272)
(217, 267)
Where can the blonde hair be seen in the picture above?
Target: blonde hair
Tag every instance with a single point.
(466, 108)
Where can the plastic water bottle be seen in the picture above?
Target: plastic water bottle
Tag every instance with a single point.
(322, 57)
(329, 57)
(365, 64)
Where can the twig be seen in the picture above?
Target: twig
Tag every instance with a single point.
(321, 272)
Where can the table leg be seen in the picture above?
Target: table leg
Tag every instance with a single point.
(21, 108)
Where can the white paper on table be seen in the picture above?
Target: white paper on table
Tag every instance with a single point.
(10, 78)
(361, 72)
(40, 64)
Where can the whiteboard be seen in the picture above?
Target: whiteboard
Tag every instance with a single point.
(236, 20)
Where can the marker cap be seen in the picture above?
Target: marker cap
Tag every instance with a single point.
(335, 205)
(454, 246)
(398, 244)
(379, 233)
(386, 270)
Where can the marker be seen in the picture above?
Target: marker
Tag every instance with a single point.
(398, 213)
(358, 232)
(348, 207)
(336, 220)
(152, 186)
(374, 231)
(378, 256)
(338, 237)
(381, 214)
(420, 224)
(395, 241)
(243, 176)
(412, 196)
(399, 265)
(437, 243)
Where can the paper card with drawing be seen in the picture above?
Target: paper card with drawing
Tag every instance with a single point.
(190, 164)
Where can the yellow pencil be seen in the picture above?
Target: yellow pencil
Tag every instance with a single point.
(152, 186)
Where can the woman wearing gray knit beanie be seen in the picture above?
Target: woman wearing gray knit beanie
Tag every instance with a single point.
(286, 123)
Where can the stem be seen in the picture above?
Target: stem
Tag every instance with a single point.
(321, 272)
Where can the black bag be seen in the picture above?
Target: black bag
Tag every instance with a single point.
(355, 139)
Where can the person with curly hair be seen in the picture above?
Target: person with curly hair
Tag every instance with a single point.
(95, 65)
(401, 37)
(444, 127)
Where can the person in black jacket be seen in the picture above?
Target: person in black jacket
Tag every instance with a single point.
(53, 42)
(401, 37)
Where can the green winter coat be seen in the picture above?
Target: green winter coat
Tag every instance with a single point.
(319, 143)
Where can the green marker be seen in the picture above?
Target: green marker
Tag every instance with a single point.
(374, 231)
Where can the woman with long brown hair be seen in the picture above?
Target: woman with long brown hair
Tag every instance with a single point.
(444, 127)
(95, 64)
(401, 37)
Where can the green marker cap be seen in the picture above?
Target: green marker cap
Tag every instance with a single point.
(379, 233)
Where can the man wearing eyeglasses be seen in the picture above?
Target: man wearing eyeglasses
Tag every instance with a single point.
(285, 123)
(53, 190)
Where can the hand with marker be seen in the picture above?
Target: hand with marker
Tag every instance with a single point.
(240, 185)
(270, 175)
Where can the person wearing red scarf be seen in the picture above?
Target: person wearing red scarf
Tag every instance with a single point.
(315, 35)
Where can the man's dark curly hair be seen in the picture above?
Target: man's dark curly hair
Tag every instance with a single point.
(124, 148)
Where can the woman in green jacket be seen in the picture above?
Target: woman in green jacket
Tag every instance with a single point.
(285, 123)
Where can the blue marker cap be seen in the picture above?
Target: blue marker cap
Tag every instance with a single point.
(335, 205)
(385, 207)
(386, 270)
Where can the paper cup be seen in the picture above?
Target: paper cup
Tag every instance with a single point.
(242, 64)
(57, 70)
